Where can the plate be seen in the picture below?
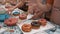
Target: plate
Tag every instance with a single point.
(3, 29)
(42, 28)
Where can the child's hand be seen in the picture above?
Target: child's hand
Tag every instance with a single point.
(10, 9)
(30, 10)
(35, 16)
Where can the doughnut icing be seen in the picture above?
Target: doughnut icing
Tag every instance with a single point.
(26, 27)
(3, 17)
(35, 25)
(42, 21)
(11, 21)
(16, 13)
(22, 16)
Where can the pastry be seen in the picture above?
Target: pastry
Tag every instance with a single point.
(3, 17)
(26, 27)
(16, 13)
(35, 25)
(11, 21)
(22, 16)
(2, 11)
(42, 22)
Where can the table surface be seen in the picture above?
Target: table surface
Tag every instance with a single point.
(16, 29)
(42, 28)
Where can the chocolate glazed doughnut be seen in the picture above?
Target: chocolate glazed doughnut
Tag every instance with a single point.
(26, 27)
(35, 25)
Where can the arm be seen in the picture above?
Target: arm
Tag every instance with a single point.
(38, 15)
(30, 9)
(44, 7)
(20, 4)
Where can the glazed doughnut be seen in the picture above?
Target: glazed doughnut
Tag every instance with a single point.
(26, 27)
(35, 25)
(11, 21)
(22, 16)
(42, 21)
(16, 13)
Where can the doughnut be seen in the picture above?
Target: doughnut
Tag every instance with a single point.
(11, 21)
(2, 11)
(16, 13)
(26, 27)
(35, 25)
(22, 16)
(3, 17)
(42, 21)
